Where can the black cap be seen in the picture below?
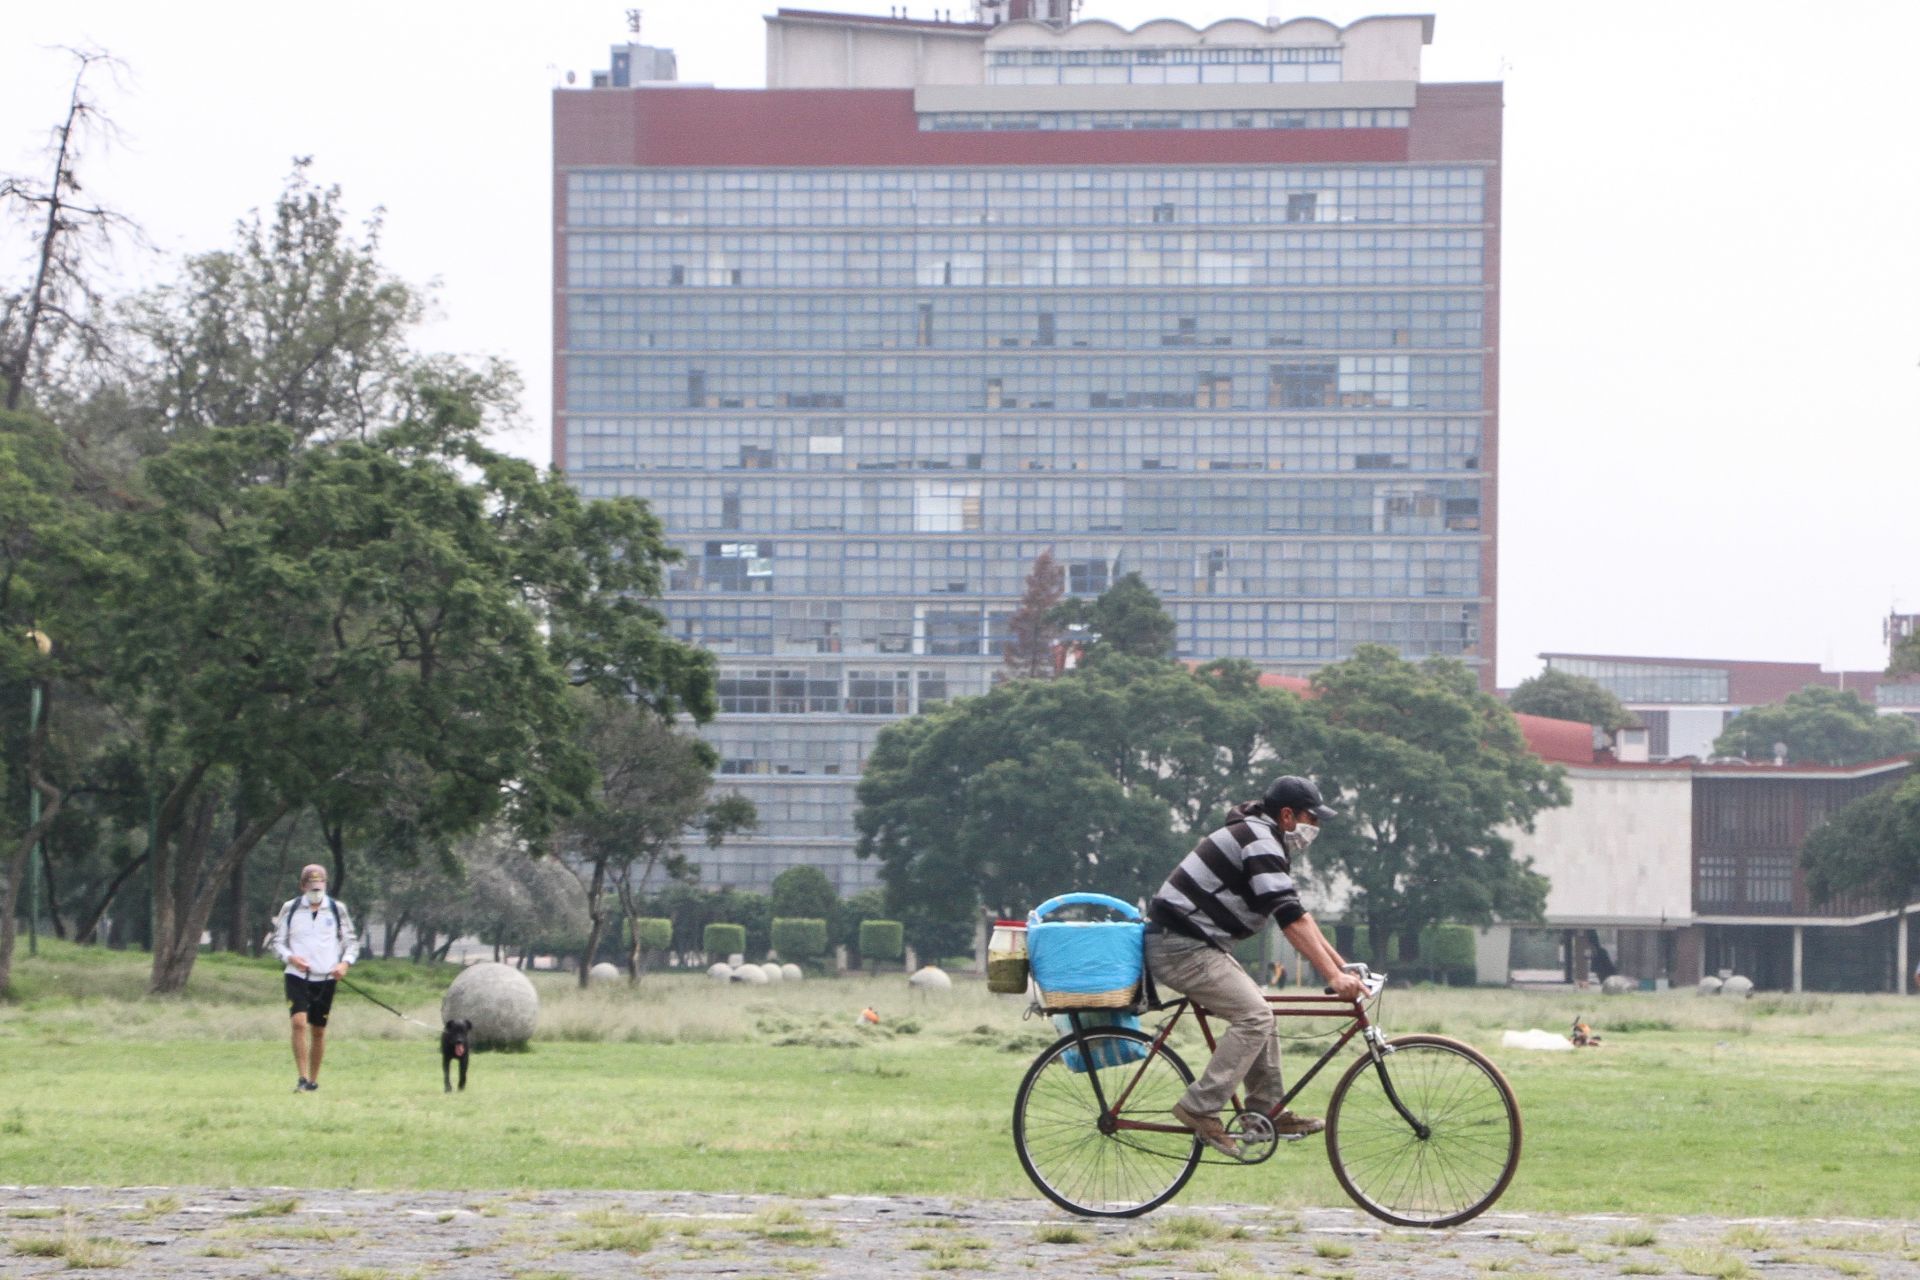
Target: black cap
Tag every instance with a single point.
(1297, 794)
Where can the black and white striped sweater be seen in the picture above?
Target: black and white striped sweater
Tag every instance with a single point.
(1232, 881)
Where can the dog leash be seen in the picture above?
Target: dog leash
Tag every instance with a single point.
(384, 1005)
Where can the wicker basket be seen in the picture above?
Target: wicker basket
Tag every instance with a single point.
(1066, 1001)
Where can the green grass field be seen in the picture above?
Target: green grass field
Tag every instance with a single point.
(1779, 1105)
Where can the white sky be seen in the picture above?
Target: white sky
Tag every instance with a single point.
(1711, 361)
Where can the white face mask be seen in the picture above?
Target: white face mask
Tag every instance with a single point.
(316, 896)
(1297, 840)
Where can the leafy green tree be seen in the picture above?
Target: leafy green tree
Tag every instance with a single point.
(1561, 695)
(48, 548)
(652, 791)
(1126, 618)
(1429, 771)
(1904, 660)
(297, 626)
(1870, 848)
(1032, 629)
(298, 324)
(804, 893)
(1818, 726)
(1097, 781)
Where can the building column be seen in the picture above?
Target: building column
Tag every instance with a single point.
(1900, 974)
(1799, 953)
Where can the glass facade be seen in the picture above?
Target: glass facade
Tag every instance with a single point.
(1350, 118)
(863, 400)
(1636, 682)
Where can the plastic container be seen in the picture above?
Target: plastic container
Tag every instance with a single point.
(1086, 964)
(1007, 969)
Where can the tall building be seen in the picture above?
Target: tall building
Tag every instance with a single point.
(1219, 306)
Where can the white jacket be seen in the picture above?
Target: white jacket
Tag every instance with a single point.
(323, 936)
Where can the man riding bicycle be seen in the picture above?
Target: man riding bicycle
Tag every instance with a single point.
(1224, 891)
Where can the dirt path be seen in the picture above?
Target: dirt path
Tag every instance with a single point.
(352, 1235)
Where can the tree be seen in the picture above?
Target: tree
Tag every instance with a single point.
(651, 790)
(1428, 770)
(46, 552)
(1870, 848)
(1126, 618)
(299, 626)
(803, 893)
(1561, 695)
(1099, 780)
(57, 308)
(1904, 658)
(1032, 630)
(1818, 726)
(299, 325)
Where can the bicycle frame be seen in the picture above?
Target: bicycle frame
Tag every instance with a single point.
(1303, 1005)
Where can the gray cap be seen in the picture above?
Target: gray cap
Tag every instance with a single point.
(1297, 794)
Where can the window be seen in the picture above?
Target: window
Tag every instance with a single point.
(1087, 577)
(1300, 206)
(1303, 384)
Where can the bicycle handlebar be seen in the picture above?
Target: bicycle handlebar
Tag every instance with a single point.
(1370, 982)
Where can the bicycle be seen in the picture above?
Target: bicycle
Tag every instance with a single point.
(1422, 1130)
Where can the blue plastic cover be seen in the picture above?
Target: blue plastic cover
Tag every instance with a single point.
(1085, 957)
(1107, 1053)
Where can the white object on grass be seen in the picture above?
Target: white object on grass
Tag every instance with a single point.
(1534, 1038)
(500, 1002)
(929, 978)
(603, 972)
(791, 972)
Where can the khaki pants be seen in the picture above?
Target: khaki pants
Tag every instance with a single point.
(1247, 1050)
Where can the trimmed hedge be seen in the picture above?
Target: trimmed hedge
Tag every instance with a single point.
(798, 938)
(656, 933)
(722, 940)
(1446, 954)
(1447, 946)
(882, 940)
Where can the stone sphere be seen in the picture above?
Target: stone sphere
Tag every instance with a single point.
(499, 1001)
(791, 972)
(724, 972)
(1737, 986)
(751, 973)
(736, 960)
(931, 979)
(774, 972)
(1709, 986)
(1618, 985)
(603, 972)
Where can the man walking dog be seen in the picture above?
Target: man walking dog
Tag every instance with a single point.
(313, 935)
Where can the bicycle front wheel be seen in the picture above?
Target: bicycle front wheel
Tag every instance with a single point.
(1075, 1153)
(1467, 1155)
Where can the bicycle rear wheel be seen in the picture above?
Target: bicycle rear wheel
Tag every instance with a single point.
(1077, 1158)
(1468, 1155)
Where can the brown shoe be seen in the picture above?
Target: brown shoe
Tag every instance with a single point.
(1289, 1125)
(1209, 1130)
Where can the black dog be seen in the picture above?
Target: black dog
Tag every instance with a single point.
(453, 1044)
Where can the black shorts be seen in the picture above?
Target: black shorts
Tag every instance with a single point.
(315, 999)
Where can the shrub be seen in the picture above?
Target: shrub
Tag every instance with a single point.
(722, 940)
(882, 939)
(803, 893)
(656, 933)
(1447, 946)
(799, 939)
